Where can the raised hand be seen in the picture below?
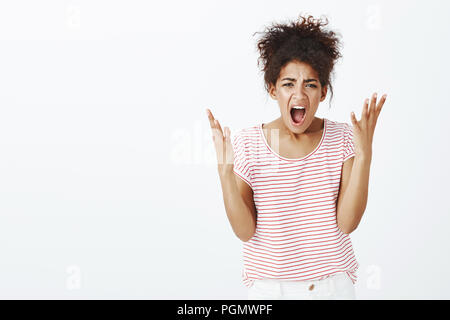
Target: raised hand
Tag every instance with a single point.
(364, 129)
(222, 143)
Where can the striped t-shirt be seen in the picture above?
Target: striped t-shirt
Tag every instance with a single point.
(297, 237)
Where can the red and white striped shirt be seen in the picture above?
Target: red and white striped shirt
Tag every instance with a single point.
(297, 237)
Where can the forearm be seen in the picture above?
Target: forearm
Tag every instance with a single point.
(241, 218)
(350, 210)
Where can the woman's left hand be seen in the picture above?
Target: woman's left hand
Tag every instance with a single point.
(364, 129)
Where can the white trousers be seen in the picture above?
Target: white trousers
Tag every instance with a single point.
(336, 287)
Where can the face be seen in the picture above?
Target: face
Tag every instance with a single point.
(298, 85)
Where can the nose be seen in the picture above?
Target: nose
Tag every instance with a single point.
(299, 92)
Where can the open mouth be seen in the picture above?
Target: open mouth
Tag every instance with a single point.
(298, 115)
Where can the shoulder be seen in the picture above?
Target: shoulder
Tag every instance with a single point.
(333, 124)
(342, 129)
(343, 135)
(245, 135)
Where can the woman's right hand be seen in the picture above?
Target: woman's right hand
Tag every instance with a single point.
(222, 143)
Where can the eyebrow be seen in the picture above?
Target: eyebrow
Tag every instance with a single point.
(294, 80)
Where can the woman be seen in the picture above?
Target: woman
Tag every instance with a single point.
(296, 187)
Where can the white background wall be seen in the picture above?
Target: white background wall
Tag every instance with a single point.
(108, 180)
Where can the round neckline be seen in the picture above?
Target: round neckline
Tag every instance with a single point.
(325, 124)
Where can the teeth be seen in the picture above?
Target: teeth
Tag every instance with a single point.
(298, 107)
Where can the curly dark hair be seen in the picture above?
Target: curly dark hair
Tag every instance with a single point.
(304, 40)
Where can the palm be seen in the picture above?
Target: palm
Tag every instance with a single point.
(363, 130)
(222, 144)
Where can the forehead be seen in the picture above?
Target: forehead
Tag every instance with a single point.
(297, 68)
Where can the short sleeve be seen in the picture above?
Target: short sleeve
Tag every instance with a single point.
(241, 158)
(349, 147)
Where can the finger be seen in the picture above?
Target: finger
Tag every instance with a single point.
(380, 104)
(226, 132)
(212, 123)
(228, 135)
(218, 142)
(229, 147)
(217, 133)
(210, 118)
(364, 113)
(218, 126)
(373, 103)
(215, 126)
(371, 114)
(354, 121)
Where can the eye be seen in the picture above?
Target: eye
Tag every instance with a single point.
(289, 85)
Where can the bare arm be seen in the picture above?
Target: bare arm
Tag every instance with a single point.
(239, 205)
(352, 199)
(237, 194)
(355, 174)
